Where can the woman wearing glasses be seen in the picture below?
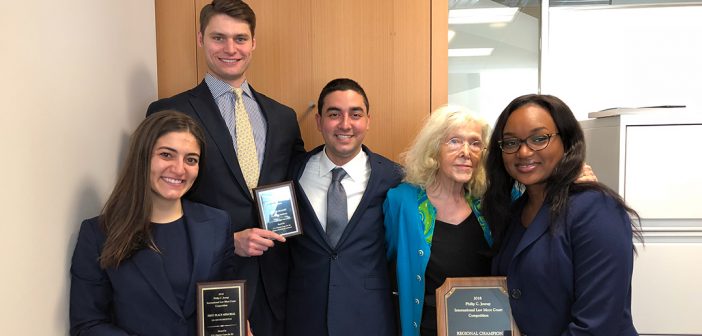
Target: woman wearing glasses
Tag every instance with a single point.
(565, 248)
(433, 227)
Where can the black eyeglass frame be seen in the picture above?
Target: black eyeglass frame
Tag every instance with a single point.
(526, 142)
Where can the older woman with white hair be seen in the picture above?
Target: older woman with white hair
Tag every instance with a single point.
(433, 226)
(434, 229)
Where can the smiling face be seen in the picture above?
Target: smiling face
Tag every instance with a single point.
(343, 123)
(457, 166)
(527, 166)
(228, 45)
(175, 162)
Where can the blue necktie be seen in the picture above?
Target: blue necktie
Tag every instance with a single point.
(337, 213)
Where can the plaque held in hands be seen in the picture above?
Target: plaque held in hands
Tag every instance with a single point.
(277, 208)
(221, 309)
(474, 306)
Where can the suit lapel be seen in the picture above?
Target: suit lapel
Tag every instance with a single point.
(536, 229)
(373, 183)
(208, 111)
(266, 108)
(201, 237)
(317, 234)
(150, 265)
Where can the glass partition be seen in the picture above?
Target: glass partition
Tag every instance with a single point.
(493, 53)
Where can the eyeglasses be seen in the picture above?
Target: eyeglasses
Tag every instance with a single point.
(456, 144)
(534, 142)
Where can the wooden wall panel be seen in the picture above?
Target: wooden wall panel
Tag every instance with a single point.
(353, 38)
(176, 46)
(411, 90)
(389, 47)
(201, 62)
(282, 62)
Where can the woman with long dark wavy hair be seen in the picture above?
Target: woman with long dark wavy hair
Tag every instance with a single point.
(136, 266)
(566, 248)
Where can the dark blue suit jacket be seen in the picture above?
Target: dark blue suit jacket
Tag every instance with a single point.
(577, 280)
(343, 290)
(221, 183)
(136, 298)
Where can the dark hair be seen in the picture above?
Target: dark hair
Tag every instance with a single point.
(341, 84)
(235, 9)
(559, 185)
(126, 217)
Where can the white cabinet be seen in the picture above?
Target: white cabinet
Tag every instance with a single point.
(654, 160)
(663, 170)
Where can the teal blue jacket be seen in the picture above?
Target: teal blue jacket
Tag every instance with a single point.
(408, 234)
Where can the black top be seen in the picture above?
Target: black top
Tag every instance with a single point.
(455, 252)
(174, 242)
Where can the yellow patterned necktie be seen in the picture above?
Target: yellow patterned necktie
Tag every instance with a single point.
(245, 145)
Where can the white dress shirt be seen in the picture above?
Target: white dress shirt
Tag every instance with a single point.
(317, 176)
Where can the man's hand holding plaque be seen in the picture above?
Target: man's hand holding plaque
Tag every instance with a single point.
(277, 208)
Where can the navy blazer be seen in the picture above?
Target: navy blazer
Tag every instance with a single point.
(577, 280)
(221, 183)
(343, 290)
(136, 298)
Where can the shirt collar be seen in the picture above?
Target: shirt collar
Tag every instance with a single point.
(355, 168)
(219, 87)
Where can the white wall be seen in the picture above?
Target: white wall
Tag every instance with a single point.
(76, 77)
(597, 58)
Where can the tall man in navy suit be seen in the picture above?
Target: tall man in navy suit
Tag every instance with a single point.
(226, 37)
(339, 285)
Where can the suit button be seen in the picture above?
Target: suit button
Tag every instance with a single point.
(416, 301)
(421, 253)
(419, 278)
(414, 324)
(334, 256)
(515, 293)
